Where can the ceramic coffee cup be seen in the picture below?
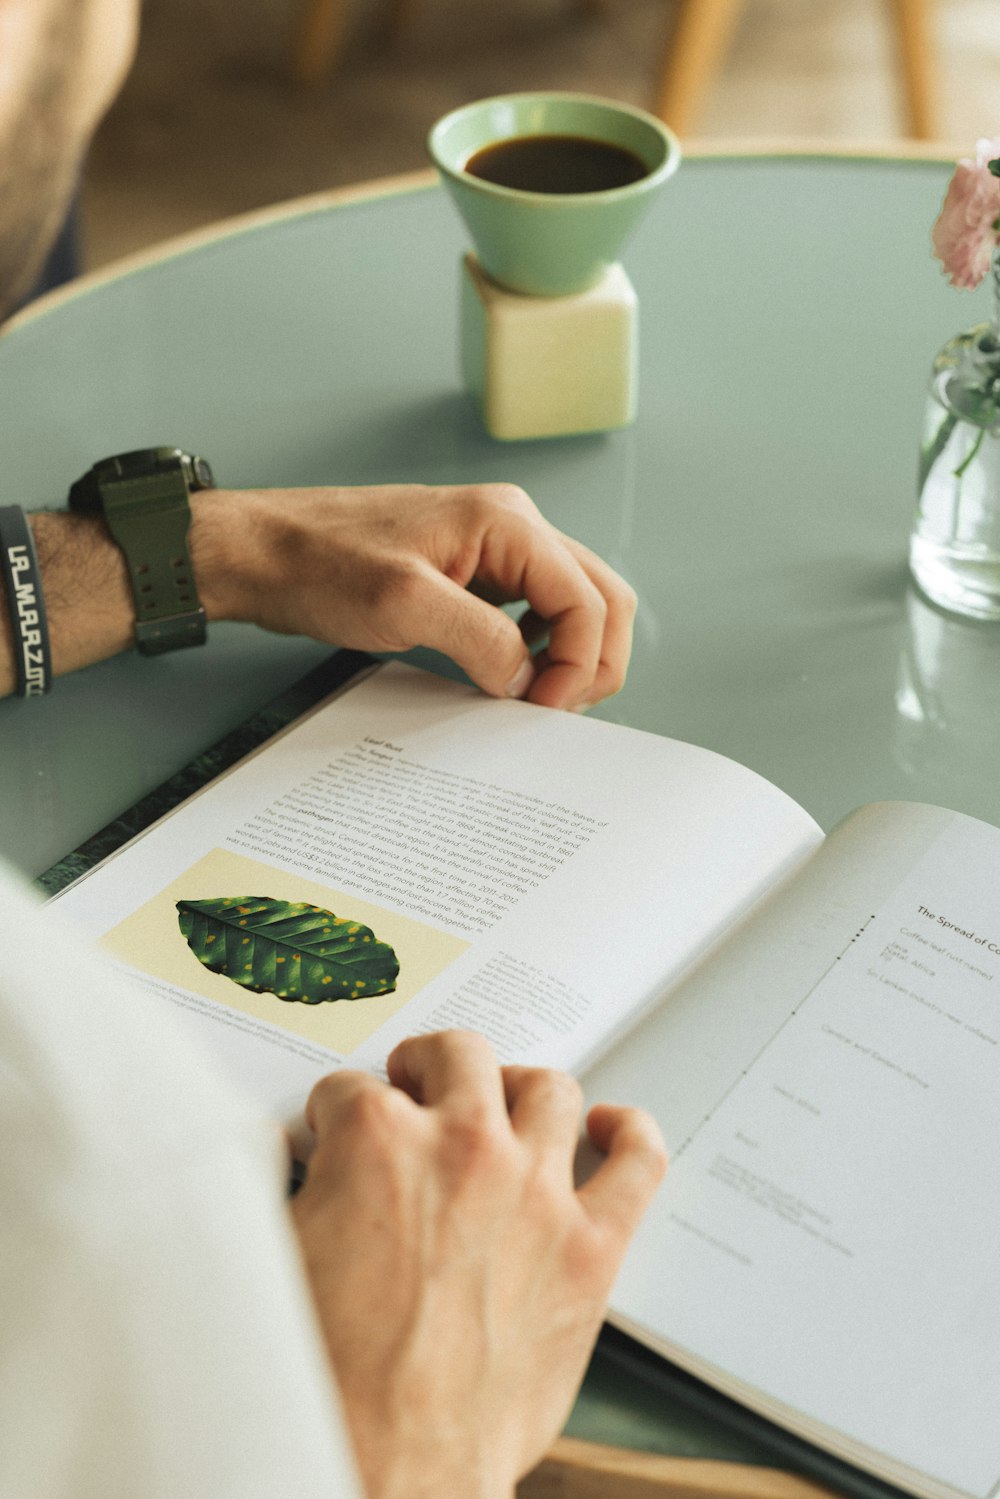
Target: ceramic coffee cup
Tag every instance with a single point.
(550, 243)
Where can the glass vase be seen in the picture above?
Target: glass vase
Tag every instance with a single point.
(955, 545)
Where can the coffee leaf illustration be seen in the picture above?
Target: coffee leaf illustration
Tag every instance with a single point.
(287, 948)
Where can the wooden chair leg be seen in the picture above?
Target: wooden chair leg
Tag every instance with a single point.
(318, 38)
(916, 59)
(698, 38)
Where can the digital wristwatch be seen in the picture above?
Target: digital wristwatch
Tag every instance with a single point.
(144, 499)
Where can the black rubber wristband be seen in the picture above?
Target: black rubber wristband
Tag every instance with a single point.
(32, 657)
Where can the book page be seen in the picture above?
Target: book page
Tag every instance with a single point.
(531, 874)
(827, 1244)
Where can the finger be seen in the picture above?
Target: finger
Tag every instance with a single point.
(348, 1111)
(484, 641)
(620, 1189)
(453, 1070)
(545, 1108)
(520, 556)
(620, 599)
(559, 590)
(332, 1096)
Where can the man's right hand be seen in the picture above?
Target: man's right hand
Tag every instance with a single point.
(389, 567)
(459, 1277)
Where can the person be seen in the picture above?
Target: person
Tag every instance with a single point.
(417, 1320)
(61, 66)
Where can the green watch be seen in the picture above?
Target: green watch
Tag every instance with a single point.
(143, 497)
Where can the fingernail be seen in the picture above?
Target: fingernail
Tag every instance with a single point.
(581, 708)
(519, 685)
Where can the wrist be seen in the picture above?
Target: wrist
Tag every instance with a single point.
(420, 1470)
(230, 551)
(83, 577)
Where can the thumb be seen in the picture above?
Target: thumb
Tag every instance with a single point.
(480, 638)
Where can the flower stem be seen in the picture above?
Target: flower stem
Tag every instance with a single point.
(930, 454)
(971, 453)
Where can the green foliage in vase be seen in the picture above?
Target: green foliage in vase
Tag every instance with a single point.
(287, 948)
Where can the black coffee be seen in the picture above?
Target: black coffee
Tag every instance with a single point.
(556, 164)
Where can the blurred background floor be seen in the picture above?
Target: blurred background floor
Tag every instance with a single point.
(210, 125)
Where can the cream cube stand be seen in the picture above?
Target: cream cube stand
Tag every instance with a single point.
(549, 366)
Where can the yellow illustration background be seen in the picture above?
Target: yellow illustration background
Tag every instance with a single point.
(151, 940)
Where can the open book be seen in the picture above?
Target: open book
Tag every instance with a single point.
(814, 1021)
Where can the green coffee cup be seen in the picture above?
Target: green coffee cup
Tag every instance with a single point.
(550, 243)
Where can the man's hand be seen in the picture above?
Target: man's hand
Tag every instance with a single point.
(380, 569)
(388, 568)
(459, 1278)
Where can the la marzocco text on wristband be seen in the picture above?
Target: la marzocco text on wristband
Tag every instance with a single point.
(19, 564)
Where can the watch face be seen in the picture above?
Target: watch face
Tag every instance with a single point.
(141, 463)
(197, 471)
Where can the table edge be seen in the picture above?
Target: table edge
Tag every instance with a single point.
(220, 229)
(915, 153)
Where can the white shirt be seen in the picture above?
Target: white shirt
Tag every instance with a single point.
(156, 1338)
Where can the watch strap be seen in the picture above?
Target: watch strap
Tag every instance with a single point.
(143, 497)
(149, 517)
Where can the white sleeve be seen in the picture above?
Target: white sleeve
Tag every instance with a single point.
(156, 1337)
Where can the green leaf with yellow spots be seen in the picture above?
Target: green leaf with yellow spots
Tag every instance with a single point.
(288, 948)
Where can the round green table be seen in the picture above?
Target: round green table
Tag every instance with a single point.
(789, 311)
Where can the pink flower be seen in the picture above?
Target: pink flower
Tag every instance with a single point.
(966, 234)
